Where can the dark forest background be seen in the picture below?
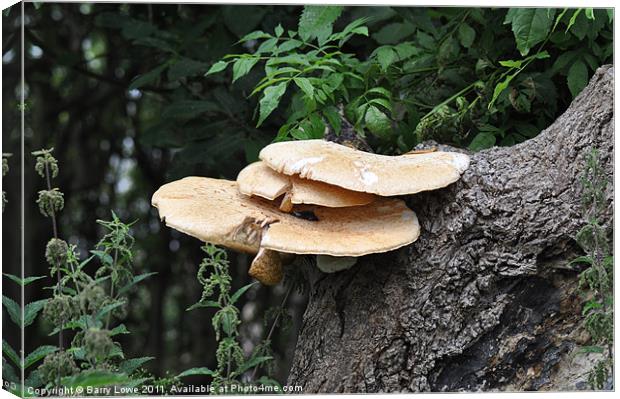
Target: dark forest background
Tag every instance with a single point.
(116, 90)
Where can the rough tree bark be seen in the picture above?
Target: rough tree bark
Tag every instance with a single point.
(484, 299)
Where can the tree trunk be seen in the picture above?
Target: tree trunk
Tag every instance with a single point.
(484, 300)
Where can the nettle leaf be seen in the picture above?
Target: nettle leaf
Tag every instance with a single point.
(31, 311)
(13, 310)
(467, 35)
(317, 22)
(377, 122)
(130, 365)
(10, 353)
(135, 281)
(235, 297)
(270, 100)
(23, 281)
(305, 85)
(120, 329)
(577, 77)
(530, 26)
(197, 371)
(94, 378)
(38, 354)
(253, 362)
(242, 66)
(217, 67)
(482, 141)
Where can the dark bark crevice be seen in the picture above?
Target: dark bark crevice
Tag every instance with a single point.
(484, 299)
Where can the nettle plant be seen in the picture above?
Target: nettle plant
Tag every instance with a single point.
(439, 74)
(232, 373)
(596, 281)
(86, 306)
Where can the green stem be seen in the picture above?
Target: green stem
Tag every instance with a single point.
(273, 327)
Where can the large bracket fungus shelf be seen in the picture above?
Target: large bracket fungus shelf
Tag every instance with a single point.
(308, 197)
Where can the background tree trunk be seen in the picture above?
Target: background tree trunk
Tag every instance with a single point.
(484, 300)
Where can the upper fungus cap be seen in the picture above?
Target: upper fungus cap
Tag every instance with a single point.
(259, 179)
(215, 211)
(356, 170)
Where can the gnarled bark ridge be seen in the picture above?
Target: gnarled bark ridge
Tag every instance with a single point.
(483, 300)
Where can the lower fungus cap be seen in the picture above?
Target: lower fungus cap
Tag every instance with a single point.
(214, 210)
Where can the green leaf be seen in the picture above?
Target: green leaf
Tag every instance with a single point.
(242, 66)
(130, 365)
(333, 117)
(253, 362)
(511, 63)
(267, 46)
(305, 85)
(394, 33)
(482, 141)
(31, 310)
(120, 329)
(10, 353)
(530, 26)
(217, 67)
(382, 91)
(188, 109)
(577, 77)
(204, 304)
(94, 379)
(149, 77)
(108, 308)
(467, 35)
(289, 45)
(500, 87)
(197, 371)
(386, 56)
(589, 13)
(38, 354)
(235, 297)
(270, 100)
(13, 309)
(382, 102)
(259, 34)
(279, 30)
(591, 305)
(592, 349)
(354, 28)
(135, 281)
(317, 22)
(581, 259)
(377, 122)
(185, 67)
(573, 19)
(23, 282)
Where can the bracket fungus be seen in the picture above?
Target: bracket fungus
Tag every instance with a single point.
(259, 179)
(213, 210)
(341, 211)
(356, 170)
